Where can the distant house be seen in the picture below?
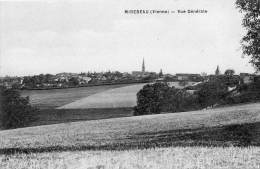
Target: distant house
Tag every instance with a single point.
(137, 73)
(246, 78)
(160, 80)
(8, 85)
(84, 79)
(188, 77)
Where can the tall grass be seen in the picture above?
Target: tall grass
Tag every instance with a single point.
(158, 158)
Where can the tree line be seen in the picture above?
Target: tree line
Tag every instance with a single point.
(220, 90)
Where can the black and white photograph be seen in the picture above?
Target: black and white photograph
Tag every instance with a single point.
(129, 84)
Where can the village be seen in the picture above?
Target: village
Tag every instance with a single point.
(68, 80)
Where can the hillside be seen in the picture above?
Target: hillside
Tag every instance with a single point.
(48, 99)
(236, 125)
(113, 98)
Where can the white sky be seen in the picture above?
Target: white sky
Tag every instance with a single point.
(96, 35)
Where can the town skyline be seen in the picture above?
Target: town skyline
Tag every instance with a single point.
(52, 37)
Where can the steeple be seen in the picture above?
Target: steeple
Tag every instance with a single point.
(143, 66)
(217, 72)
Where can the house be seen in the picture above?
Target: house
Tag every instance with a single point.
(84, 79)
(188, 77)
(137, 73)
(246, 78)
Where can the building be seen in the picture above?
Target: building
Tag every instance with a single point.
(188, 77)
(143, 67)
(141, 73)
(217, 72)
(246, 78)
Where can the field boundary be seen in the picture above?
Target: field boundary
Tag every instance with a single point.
(88, 85)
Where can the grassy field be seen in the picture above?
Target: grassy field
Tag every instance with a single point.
(159, 158)
(221, 138)
(55, 116)
(237, 125)
(48, 99)
(106, 96)
(113, 98)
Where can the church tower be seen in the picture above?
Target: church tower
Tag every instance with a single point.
(217, 72)
(143, 67)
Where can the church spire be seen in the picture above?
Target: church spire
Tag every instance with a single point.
(143, 66)
(217, 72)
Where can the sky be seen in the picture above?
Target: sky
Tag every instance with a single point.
(96, 35)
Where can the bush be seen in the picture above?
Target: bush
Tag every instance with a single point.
(15, 110)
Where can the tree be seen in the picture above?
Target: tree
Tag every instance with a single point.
(229, 72)
(151, 98)
(211, 93)
(15, 110)
(251, 21)
(73, 81)
(159, 97)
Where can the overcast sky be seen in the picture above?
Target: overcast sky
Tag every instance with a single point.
(96, 35)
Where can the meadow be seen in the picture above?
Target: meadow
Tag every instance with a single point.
(221, 138)
(236, 125)
(99, 102)
(158, 158)
(55, 116)
(49, 99)
(114, 98)
(108, 138)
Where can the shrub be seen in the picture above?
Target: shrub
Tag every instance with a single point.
(15, 110)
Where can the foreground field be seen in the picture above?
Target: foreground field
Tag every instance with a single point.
(47, 99)
(237, 125)
(220, 138)
(159, 158)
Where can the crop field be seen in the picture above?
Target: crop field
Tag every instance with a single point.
(47, 99)
(113, 98)
(220, 138)
(206, 127)
(106, 96)
(158, 158)
(55, 116)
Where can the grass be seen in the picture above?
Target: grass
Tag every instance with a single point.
(158, 158)
(49, 99)
(197, 128)
(55, 116)
(113, 98)
(227, 137)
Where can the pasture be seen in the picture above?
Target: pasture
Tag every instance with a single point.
(113, 98)
(105, 96)
(49, 99)
(55, 116)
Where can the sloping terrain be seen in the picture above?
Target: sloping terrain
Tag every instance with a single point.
(155, 158)
(236, 125)
(47, 99)
(113, 98)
